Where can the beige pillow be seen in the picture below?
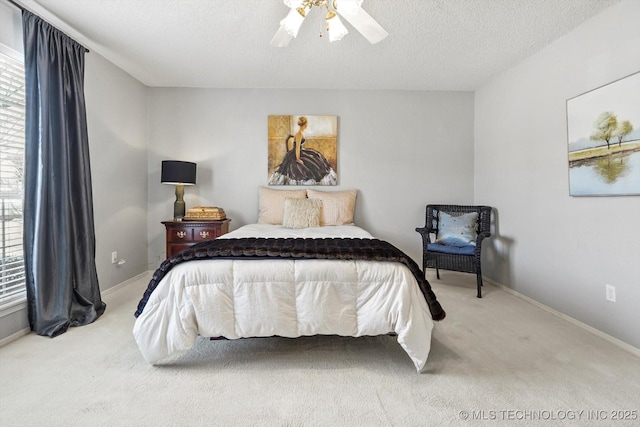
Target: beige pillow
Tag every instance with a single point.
(271, 203)
(301, 213)
(337, 206)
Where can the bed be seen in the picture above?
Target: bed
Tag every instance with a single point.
(274, 280)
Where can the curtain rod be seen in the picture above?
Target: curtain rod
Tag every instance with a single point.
(24, 8)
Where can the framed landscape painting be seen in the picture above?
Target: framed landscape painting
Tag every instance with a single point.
(302, 150)
(603, 132)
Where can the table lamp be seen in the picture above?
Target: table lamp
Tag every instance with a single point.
(179, 174)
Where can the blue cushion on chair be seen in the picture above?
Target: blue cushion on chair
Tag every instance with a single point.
(455, 250)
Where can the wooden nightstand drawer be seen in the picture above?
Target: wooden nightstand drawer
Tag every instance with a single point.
(183, 234)
(179, 234)
(206, 233)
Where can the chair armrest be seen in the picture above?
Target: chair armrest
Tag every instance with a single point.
(426, 235)
(479, 239)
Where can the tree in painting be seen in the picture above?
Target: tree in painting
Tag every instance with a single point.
(606, 125)
(624, 128)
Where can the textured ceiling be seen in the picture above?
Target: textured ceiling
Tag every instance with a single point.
(432, 44)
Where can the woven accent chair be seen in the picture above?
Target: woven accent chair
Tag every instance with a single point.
(466, 258)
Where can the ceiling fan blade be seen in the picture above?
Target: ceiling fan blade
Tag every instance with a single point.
(364, 23)
(281, 38)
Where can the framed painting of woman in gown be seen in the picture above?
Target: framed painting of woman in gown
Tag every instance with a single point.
(303, 150)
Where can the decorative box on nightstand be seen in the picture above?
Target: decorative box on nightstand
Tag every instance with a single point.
(182, 234)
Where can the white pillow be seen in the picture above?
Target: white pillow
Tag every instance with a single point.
(301, 213)
(271, 203)
(337, 206)
(457, 230)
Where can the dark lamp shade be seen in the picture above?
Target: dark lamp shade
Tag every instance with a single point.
(177, 172)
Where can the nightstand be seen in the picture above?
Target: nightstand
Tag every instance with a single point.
(182, 234)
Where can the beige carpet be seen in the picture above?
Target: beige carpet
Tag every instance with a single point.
(499, 360)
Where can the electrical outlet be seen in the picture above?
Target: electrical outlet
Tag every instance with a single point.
(610, 293)
(114, 257)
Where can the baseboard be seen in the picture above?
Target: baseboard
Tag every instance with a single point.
(615, 341)
(127, 282)
(14, 336)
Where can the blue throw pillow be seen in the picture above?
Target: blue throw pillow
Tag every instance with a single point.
(457, 230)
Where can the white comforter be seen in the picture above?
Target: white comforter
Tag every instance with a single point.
(289, 298)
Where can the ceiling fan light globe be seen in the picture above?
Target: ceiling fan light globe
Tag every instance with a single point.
(337, 30)
(292, 22)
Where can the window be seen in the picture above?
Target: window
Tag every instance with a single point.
(12, 115)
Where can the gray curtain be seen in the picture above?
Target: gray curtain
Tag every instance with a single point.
(59, 236)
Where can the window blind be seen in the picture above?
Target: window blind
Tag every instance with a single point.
(12, 126)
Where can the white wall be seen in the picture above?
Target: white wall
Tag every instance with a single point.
(557, 249)
(400, 150)
(116, 119)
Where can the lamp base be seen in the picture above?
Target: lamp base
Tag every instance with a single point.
(178, 205)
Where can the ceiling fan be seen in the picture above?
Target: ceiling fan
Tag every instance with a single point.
(350, 10)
